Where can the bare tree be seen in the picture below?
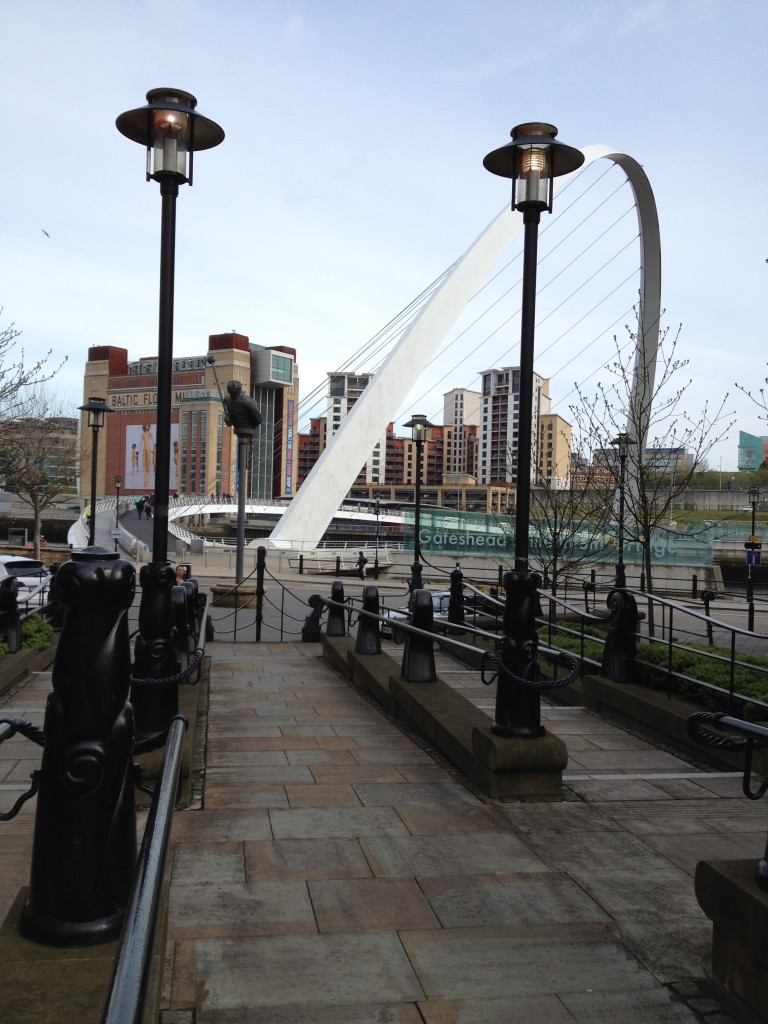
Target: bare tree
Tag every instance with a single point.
(15, 375)
(38, 452)
(671, 445)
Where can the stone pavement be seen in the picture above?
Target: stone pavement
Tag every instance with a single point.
(336, 870)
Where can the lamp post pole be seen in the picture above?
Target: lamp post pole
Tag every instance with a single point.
(172, 130)
(419, 425)
(376, 550)
(118, 485)
(754, 497)
(97, 410)
(532, 160)
(622, 442)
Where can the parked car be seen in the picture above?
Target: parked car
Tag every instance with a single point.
(31, 575)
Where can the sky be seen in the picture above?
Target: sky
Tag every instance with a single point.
(351, 177)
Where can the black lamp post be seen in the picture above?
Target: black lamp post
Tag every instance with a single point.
(419, 425)
(171, 130)
(622, 442)
(118, 485)
(754, 498)
(533, 159)
(97, 410)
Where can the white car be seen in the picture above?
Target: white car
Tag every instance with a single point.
(31, 575)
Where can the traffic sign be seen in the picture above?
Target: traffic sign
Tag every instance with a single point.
(753, 558)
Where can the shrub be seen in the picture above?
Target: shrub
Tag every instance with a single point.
(35, 634)
(4, 648)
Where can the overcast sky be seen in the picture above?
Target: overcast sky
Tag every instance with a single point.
(351, 173)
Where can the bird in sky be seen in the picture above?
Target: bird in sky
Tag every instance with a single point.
(45, 232)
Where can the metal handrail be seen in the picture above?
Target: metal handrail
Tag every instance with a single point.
(125, 1004)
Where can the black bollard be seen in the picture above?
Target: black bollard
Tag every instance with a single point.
(456, 600)
(368, 640)
(415, 581)
(418, 665)
(84, 849)
(620, 648)
(57, 608)
(518, 707)
(10, 619)
(155, 657)
(336, 624)
(310, 631)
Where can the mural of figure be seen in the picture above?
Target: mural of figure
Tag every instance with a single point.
(146, 453)
(240, 412)
(134, 460)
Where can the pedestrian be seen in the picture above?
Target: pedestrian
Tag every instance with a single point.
(148, 507)
(139, 503)
(362, 561)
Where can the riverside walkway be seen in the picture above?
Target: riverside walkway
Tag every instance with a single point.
(334, 869)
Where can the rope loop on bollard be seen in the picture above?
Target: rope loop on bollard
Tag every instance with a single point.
(489, 656)
(180, 677)
(27, 729)
(7, 815)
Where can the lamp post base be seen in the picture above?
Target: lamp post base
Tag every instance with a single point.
(518, 705)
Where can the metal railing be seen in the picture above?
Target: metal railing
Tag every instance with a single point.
(125, 1003)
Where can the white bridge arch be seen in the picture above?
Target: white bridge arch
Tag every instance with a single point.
(307, 517)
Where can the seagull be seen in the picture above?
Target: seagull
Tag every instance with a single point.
(45, 232)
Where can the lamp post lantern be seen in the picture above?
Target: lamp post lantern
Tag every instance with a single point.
(172, 130)
(118, 485)
(97, 409)
(622, 442)
(419, 425)
(533, 159)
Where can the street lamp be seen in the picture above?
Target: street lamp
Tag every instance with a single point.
(97, 410)
(622, 442)
(171, 130)
(118, 485)
(419, 425)
(754, 498)
(533, 159)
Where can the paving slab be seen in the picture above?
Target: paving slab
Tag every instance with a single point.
(337, 870)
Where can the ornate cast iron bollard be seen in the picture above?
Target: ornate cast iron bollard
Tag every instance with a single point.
(518, 707)
(456, 600)
(10, 620)
(620, 648)
(336, 624)
(418, 665)
(84, 848)
(368, 640)
(311, 631)
(155, 656)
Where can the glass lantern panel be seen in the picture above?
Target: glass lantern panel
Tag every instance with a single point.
(533, 175)
(170, 142)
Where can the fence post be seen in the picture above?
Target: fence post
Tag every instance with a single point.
(301, 565)
(261, 559)
(336, 624)
(338, 565)
(368, 639)
(418, 664)
(84, 848)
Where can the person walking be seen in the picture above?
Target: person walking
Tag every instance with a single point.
(362, 561)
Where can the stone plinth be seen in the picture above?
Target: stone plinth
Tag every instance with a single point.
(738, 910)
